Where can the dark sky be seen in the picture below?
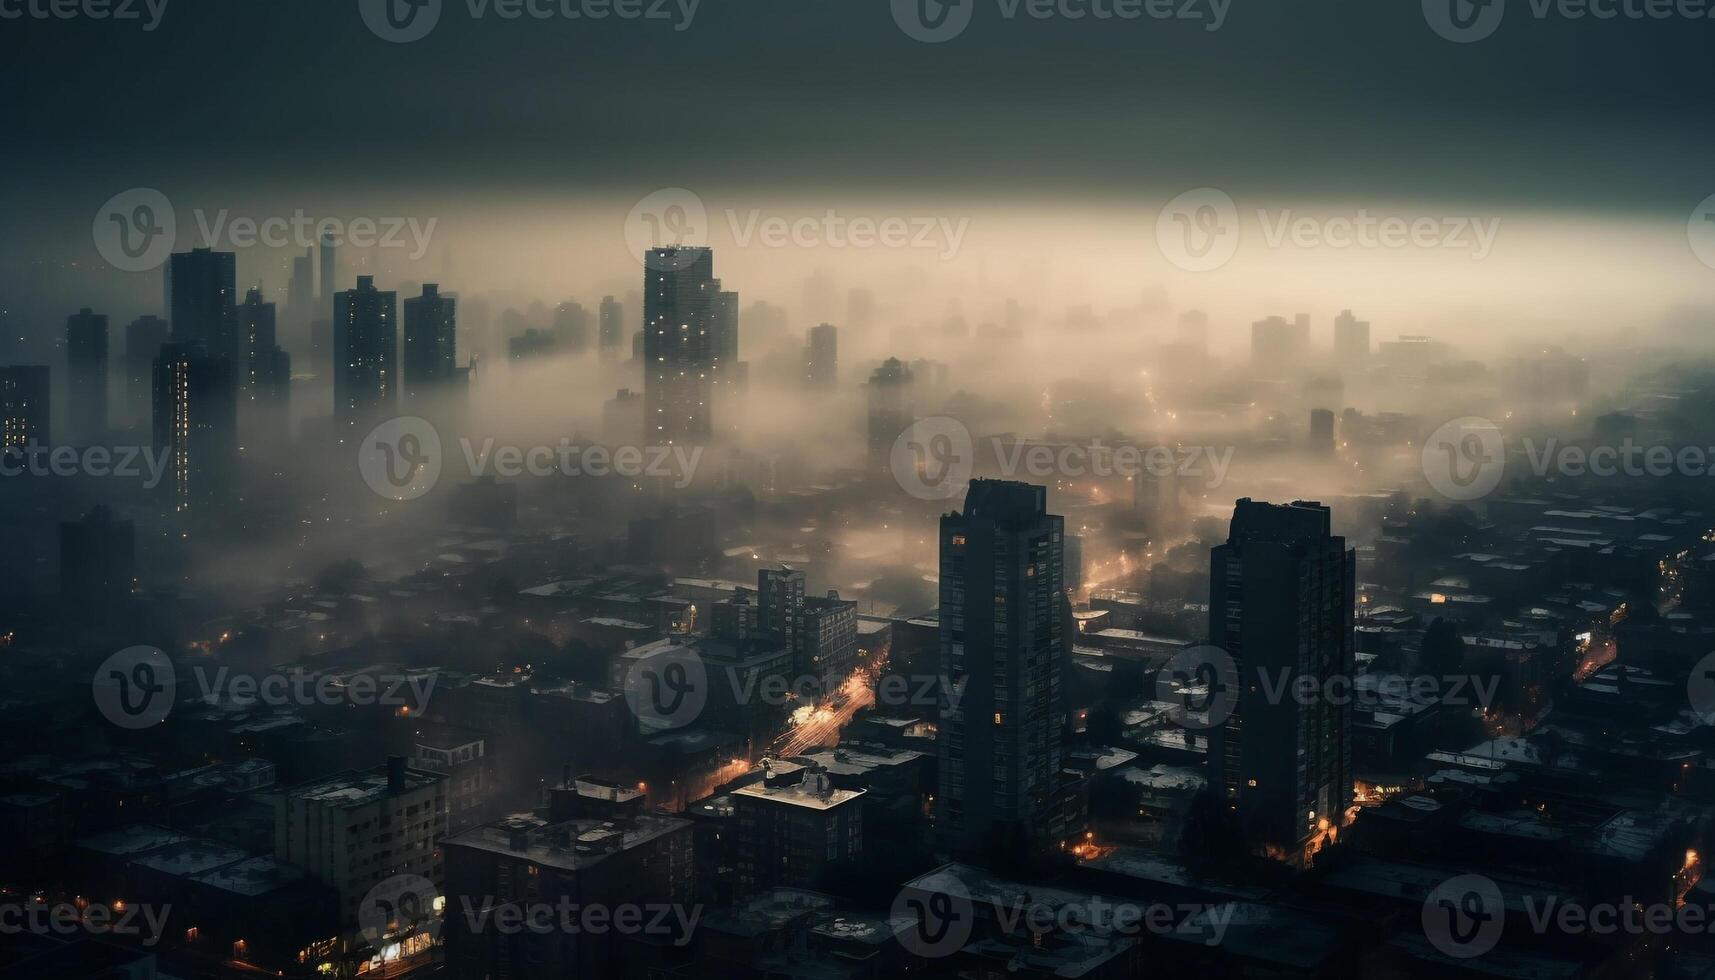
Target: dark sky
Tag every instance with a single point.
(1337, 96)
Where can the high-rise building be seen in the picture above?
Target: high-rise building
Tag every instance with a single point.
(1351, 339)
(1281, 604)
(98, 563)
(610, 328)
(365, 342)
(86, 375)
(827, 637)
(1322, 431)
(301, 293)
(143, 339)
(196, 422)
(24, 406)
(789, 830)
(267, 368)
(431, 344)
(328, 281)
(678, 345)
(202, 301)
(1003, 636)
(572, 328)
(1274, 343)
(780, 605)
(891, 411)
(821, 356)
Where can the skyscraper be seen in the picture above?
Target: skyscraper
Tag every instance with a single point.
(1003, 626)
(143, 339)
(203, 301)
(24, 405)
(572, 328)
(891, 411)
(780, 605)
(301, 294)
(98, 563)
(86, 374)
(1274, 343)
(328, 257)
(1281, 603)
(821, 356)
(678, 344)
(365, 339)
(1351, 339)
(257, 324)
(196, 423)
(610, 330)
(431, 344)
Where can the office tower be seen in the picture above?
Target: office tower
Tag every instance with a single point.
(821, 356)
(892, 409)
(1351, 339)
(1322, 431)
(606, 862)
(1003, 637)
(24, 406)
(267, 369)
(780, 605)
(357, 830)
(98, 563)
(610, 328)
(143, 339)
(329, 281)
(202, 301)
(827, 637)
(365, 339)
(678, 339)
(792, 828)
(1274, 343)
(723, 342)
(196, 423)
(301, 293)
(572, 328)
(1281, 604)
(431, 344)
(86, 375)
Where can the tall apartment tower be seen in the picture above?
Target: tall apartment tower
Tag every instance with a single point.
(202, 301)
(266, 369)
(196, 422)
(1281, 601)
(1351, 339)
(780, 605)
(679, 289)
(365, 342)
(891, 411)
(86, 374)
(610, 328)
(822, 356)
(24, 406)
(1003, 628)
(143, 339)
(431, 344)
(328, 268)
